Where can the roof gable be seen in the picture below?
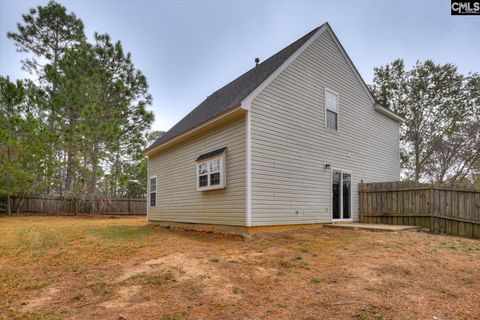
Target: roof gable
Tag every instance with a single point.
(233, 93)
(324, 28)
(243, 89)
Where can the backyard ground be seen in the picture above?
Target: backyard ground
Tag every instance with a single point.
(94, 268)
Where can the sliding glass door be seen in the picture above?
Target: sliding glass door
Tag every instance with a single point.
(341, 195)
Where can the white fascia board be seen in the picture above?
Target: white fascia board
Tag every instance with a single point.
(247, 102)
(376, 106)
(384, 111)
(350, 63)
(194, 129)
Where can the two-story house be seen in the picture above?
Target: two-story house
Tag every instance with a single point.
(285, 143)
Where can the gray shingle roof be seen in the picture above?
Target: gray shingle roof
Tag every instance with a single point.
(233, 93)
(211, 153)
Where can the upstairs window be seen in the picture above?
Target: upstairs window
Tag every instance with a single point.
(331, 110)
(153, 191)
(211, 170)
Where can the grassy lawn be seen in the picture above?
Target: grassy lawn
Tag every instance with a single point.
(84, 268)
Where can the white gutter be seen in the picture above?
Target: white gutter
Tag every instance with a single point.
(384, 111)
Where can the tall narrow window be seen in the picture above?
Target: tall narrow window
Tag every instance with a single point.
(214, 172)
(331, 109)
(153, 191)
(203, 174)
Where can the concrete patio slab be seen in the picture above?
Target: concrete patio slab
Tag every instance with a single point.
(373, 227)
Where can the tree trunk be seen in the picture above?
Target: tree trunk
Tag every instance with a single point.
(9, 205)
(71, 154)
(84, 178)
(51, 122)
(417, 172)
(20, 202)
(417, 163)
(9, 199)
(93, 190)
(69, 174)
(117, 172)
(60, 180)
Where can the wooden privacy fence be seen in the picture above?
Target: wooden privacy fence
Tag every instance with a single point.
(451, 209)
(61, 205)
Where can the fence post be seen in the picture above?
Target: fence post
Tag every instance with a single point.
(360, 202)
(432, 208)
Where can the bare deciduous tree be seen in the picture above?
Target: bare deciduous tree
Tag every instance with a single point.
(440, 136)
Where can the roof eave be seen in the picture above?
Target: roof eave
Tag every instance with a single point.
(390, 114)
(213, 122)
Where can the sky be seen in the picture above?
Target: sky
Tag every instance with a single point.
(189, 49)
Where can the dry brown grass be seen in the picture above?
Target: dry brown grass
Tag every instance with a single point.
(76, 268)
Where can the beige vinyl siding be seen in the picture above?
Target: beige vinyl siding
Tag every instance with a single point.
(177, 197)
(291, 145)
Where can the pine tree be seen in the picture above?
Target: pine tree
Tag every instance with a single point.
(117, 121)
(24, 141)
(46, 34)
(94, 102)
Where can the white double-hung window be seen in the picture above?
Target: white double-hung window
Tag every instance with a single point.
(153, 191)
(211, 170)
(331, 109)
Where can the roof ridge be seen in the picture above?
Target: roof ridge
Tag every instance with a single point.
(233, 92)
(261, 63)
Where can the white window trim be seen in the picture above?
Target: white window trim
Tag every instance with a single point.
(150, 191)
(337, 112)
(223, 179)
(341, 202)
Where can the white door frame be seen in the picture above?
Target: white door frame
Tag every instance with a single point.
(341, 193)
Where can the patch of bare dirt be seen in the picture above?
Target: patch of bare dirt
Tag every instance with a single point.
(39, 300)
(184, 268)
(125, 295)
(189, 267)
